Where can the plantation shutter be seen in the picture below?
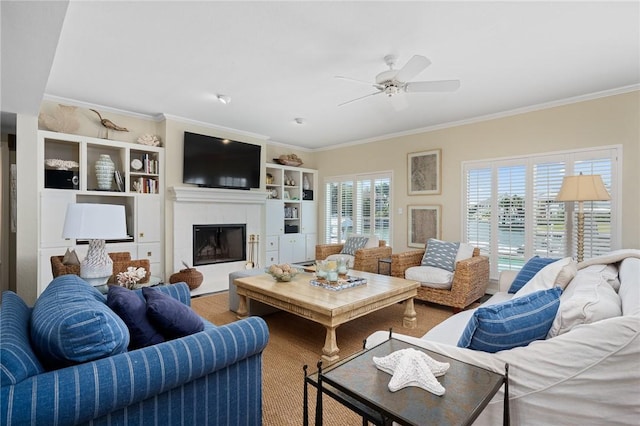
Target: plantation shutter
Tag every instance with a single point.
(511, 207)
(478, 215)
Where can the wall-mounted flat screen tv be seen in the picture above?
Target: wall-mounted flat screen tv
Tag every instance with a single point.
(220, 163)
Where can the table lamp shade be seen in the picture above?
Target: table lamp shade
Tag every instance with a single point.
(96, 223)
(583, 188)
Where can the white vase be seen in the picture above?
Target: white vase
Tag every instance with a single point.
(104, 172)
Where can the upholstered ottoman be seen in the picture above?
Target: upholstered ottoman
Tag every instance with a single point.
(254, 307)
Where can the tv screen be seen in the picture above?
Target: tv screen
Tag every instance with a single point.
(220, 163)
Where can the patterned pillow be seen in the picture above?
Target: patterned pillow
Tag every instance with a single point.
(528, 271)
(71, 324)
(352, 244)
(516, 322)
(440, 254)
(16, 355)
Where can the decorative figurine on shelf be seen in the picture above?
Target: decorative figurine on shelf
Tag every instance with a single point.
(149, 139)
(108, 124)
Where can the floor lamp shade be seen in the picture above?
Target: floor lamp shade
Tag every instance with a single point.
(96, 223)
(582, 188)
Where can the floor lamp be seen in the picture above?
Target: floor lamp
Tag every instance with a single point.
(582, 188)
(96, 223)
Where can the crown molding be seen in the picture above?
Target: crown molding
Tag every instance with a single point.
(102, 108)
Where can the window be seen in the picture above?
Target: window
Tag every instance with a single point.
(511, 213)
(358, 204)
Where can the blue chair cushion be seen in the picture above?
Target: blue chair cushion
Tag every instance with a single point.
(516, 322)
(528, 271)
(440, 254)
(17, 359)
(132, 309)
(72, 324)
(171, 317)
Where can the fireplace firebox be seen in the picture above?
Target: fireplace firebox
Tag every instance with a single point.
(219, 244)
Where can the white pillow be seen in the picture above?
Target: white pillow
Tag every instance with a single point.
(545, 278)
(430, 276)
(588, 298)
(465, 251)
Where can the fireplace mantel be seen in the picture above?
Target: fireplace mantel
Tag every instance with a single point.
(189, 194)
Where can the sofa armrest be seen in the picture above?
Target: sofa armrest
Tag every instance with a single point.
(401, 261)
(505, 279)
(80, 393)
(325, 250)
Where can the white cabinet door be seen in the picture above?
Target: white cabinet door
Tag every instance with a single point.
(311, 240)
(148, 218)
(275, 217)
(292, 248)
(53, 209)
(308, 217)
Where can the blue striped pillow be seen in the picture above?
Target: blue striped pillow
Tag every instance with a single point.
(352, 244)
(528, 271)
(516, 322)
(71, 324)
(17, 360)
(440, 254)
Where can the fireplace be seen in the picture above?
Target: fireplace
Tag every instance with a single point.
(219, 244)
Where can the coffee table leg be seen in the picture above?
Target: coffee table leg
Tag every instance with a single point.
(242, 307)
(330, 349)
(409, 320)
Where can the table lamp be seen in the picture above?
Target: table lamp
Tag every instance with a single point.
(96, 223)
(582, 188)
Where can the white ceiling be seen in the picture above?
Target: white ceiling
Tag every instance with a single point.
(278, 61)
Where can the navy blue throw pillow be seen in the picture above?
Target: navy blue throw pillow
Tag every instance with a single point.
(132, 309)
(173, 318)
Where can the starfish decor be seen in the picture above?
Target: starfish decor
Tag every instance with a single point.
(410, 367)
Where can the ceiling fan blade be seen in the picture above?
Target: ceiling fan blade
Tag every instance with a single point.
(357, 99)
(412, 68)
(377, 86)
(433, 86)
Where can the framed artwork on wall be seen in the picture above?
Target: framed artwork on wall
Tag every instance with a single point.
(424, 172)
(423, 222)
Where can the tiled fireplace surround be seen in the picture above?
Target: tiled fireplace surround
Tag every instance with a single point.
(198, 206)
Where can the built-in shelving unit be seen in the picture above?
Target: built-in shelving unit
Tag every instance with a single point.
(137, 184)
(291, 213)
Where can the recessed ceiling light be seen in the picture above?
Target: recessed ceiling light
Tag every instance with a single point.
(299, 120)
(224, 99)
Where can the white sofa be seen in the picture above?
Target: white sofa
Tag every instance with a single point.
(590, 375)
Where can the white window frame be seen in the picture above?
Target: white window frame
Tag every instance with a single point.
(356, 225)
(570, 157)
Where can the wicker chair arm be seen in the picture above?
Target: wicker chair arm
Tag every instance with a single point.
(471, 278)
(325, 250)
(401, 261)
(366, 259)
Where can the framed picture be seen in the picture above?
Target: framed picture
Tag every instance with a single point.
(285, 195)
(424, 172)
(423, 222)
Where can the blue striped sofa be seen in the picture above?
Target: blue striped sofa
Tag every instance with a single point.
(213, 377)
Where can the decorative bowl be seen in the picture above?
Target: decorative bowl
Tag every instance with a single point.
(283, 272)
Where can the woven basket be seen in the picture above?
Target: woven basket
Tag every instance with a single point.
(191, 276)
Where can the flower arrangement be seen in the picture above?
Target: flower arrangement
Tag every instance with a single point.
(130, 277)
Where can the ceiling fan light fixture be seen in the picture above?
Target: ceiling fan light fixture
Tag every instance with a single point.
(224, 99)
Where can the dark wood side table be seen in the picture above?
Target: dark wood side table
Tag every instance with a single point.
(356, 383)
(387, 261)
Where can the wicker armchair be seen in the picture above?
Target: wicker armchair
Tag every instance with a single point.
(121, 261)
(366, 259)
(470, 279)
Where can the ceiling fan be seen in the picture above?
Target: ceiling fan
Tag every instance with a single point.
(393, 82)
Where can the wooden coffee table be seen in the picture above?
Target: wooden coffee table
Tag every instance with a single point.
(327, 307)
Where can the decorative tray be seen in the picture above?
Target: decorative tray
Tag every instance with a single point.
(341, 284)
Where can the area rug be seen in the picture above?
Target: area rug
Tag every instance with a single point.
(295, 342)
